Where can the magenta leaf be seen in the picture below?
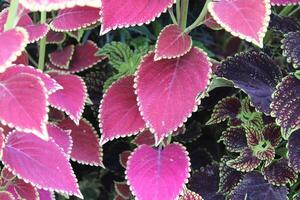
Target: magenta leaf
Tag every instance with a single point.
(234, 139)
(42, 163)
(46, 195)
(72, 19)
(123, 158)
(86, 147)
(118, 113)
(4, 195)
(237, 18)
(62, 58)
(163, 98)
(156, 173)
(36, 31)
(71, 99)
(12, 43)
(145, 137)
(122, 189)
(55, 37)
(190, 195)
(246, 162)
(172, 43)
(21, 190)
(61, 137)
(18, 93)
(129, 15)
(22, 59)
(285, 2)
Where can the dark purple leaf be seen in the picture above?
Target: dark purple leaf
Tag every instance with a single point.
(291, 47)
(234, 139)
(246, 162)
(294, 150)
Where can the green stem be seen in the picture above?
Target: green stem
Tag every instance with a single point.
(42, 45)
(32, 60)
(200, 19)
(171, 13)
(294, 11)
(286, 10)
(12, 15)
(178, 14)
(184, 13)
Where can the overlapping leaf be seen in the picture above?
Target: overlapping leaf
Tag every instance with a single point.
(284, 24)
(294, 150)
(190, 195)
(22, 190)
(145, 137)
(246, 162)
(62, 58)
(55, 37)
(61, 137)
(234, 139)
(290, 46)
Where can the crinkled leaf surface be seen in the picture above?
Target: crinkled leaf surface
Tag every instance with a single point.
(283, 24)
(285, 2)
(150, 168)
(246, 162)
(256, 74)
(42, 163)
(167, 89)
(294, 150)
(190, 195)
(290, 46)
(234, 139)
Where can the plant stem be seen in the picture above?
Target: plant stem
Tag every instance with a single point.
(286, 10)
(178, 4)
(171, 13)
(294, 11)
(12, 15)
(42, 45)
(184, 13)
(200, 19)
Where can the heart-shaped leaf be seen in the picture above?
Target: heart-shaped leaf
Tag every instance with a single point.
(21, 190)
(190, 195)
(293, 147)
(42, 163)
(62, 58)
(156, 173)
(55, 37)
(254, 186)
(246, 162)
(4, 195)
(37, 31)
(18, 93)
(129, 15)
(286, 100)
(258, 77)
(12, 43)
(163, 98)
(118, 113)
(86, 149)
(46, 195)
(71, 99)
(285, 2)
(172, 43)
(238, 18)
(234, 139)
(290, 46)
(72, 19)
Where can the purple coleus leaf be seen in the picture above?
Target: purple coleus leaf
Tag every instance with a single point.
(284, 24)
(280, 173)
(285, 2)
(145, 137)
(254, 186)
(122, 189)
(22, 190)
(71, 99)
(245, 162)
(46, 195)
(129, 15)
(205, 182)
(286, 99)
(86, 147)
(156, 173)
(72, 19)
(190, 195)
(43, 163)
(236, 17)
(55, 37)
(293, 147)
(4, 195)
(19, 92)
(172, 42)
(12, 43)
(118, 113)
(62, 58)
(258, 77)
(166, 105)
(234, 139)
(227, 108)
(290, 46)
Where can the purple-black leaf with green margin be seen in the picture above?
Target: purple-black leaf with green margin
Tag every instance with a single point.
(245, 162)
(293, 147)
(234, 139)
(291, 48)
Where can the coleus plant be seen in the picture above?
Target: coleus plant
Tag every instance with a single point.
(154, 96)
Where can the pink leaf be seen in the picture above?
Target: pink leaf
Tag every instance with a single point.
(24, 20)
(48, 5)
(71, 98)
(36, 31)
(118, 113)
(21, 190)
(55, 37)
(12, 43)
(238, 18)
(151, 172)
(72, 19)
(145, 137)
(61, 137)
(4, 195)
(86, 148)
(172, 43)
(42, 163)
(285, 2)
(19, 92)
(130, 12)
(62, 58)
(167, 90)
(22, 59)
(46, 195)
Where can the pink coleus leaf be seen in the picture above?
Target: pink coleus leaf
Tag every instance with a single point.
(285, 2)
(172, 43)
(40, 162)
(46, 195)
(145, 137)
(128, 15)
(238, 18)
(36, 31)
(21, 190)
(167, 97)
(118, 113)
(55, 37)
(156, 168)
(4, 195)
(61, 137)
(71, 98)
(72, 19)
(22, 59)
(19, 92)
(62, 58)
(2, 137)
(12, 44)
(48, 5)
(24, 20)
(50, 84)
(86, 147)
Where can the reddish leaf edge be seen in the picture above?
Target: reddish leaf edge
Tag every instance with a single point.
(262, 32)
(104, 31)
(69, 60)
(39, 186)
(102, 141)
(184, 183)
(74, 29)
(157, 58)
(185, 118)
(118, 191)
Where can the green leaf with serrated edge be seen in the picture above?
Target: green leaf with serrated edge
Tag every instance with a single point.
(297, 74)
(219, 82)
